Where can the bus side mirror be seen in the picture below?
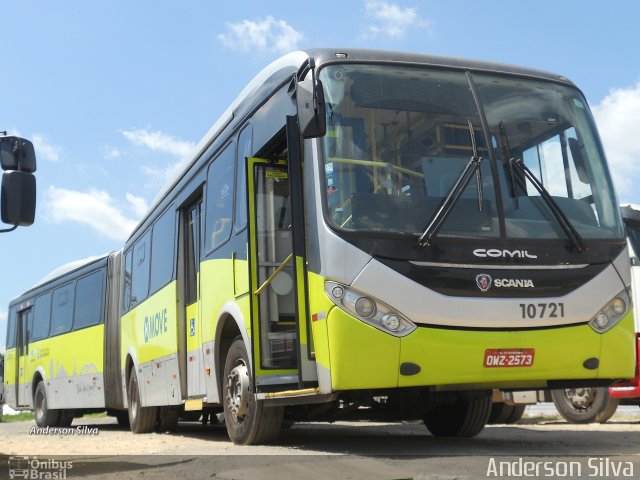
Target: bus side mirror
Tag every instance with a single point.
(18, 198)
(310, 102)
(17, 154)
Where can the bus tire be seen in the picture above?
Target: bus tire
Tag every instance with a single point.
(44, 416)
(516, 414)
(123, 418)
(501, 413)
(65, 418)
(141, 419)
(247, 419)
(466, 417)
(584, 405)
(167, 420)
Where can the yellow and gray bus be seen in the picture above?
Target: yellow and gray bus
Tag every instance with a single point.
(362, 233)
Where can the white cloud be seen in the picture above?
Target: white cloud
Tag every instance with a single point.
(391, 20)
(618, 119)
(3, 315)
(112, 153)
(159, 141)
(44, 149)
(94, 208)
(138, 205)
(267, 34)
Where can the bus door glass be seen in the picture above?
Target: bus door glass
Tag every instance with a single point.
(22, 351)
(272, 276)
(191, 255)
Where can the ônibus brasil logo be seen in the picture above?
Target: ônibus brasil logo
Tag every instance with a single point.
(483, 281)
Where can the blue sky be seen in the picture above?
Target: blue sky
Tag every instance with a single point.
(115, 93)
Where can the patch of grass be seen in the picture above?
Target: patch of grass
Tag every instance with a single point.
(96, 415)
(20, 417)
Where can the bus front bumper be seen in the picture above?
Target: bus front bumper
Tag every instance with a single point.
(363, 357)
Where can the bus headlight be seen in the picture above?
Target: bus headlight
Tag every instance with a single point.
(612, 313)
(365, 307)
(391, 322)
(368, 309)
(618, 306)
(602, 320)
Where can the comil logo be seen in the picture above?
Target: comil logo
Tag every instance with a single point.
(496, 253)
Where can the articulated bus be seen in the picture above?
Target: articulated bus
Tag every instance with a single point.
(361, 234)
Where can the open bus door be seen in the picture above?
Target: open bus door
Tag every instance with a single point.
(280, 333)
(23, 376)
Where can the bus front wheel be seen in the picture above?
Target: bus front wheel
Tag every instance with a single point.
(141, 419)
(466, 417)
(247, 419)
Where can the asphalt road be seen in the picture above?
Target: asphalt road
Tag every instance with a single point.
(543, 446)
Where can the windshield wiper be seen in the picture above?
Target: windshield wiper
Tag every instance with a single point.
(445, 209)
(523, 170)
(506, 152)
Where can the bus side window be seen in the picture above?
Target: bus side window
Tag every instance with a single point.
(62, 309)
(219, 199)
(41, 317)
(126, 287)
(89, 300)
(140, 273)
(163, 252)
(244, 151)
(11, 329)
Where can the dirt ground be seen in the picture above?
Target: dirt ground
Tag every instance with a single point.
(540, 432)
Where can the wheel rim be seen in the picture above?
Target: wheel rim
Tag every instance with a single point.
(580, 398)
(41, 405)
(238, 391)
(133, 399)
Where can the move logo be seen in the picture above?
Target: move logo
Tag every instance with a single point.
(155, 325)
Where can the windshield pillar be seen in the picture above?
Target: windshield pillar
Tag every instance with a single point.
(492, 157)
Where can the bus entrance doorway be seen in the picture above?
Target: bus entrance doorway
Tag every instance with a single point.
(273, 287)
(23, 376)
(190, 254)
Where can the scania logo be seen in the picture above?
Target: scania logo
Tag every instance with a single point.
(496, 253)
(513, 283)
(483, 281)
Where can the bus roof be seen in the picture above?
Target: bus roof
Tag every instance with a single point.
(59, 272)
(285, 66)
(630, 211)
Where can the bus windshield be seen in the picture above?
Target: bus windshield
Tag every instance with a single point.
(398, 138)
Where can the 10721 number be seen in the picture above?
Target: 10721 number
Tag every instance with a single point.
(542, 310)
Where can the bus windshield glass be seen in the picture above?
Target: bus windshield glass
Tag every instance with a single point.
(399, 137)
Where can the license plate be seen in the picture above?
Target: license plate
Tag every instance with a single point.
(522, 357)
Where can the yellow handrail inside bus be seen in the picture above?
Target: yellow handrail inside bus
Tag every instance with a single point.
(273, 275)
(372, 163)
